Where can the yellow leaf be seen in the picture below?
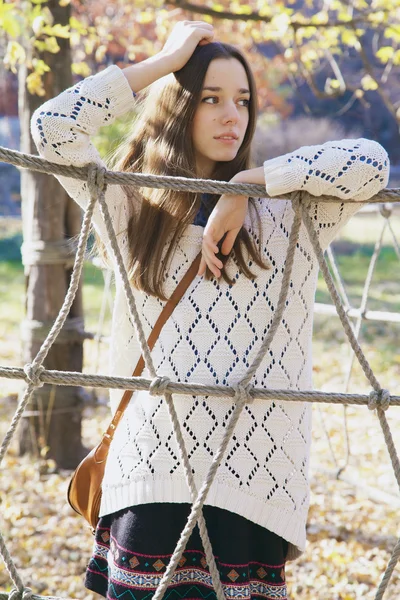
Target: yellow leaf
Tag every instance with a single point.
(145, 17)
(9, 19)
(368, 83)
(15, 54)
(350, 39)
(244, 10)
(57, 30)
(281, 23)
(100, 52)
(321, 17)
(40, 66)
(52, 45)
(81, 68)
(385, 53)
(334, 84)
(78, 26)
(34, 84)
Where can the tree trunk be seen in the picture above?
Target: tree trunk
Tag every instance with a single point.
(51, 427)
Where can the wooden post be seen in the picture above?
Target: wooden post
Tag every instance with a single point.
(52, 424)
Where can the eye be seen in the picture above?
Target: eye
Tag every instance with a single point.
(210, 98)
(247, 102)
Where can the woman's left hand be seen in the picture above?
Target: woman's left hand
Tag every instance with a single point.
(227, 218)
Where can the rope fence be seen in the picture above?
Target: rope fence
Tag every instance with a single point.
(361, 314)
(35, 375)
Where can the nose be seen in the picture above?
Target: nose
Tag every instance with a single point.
(231, 113)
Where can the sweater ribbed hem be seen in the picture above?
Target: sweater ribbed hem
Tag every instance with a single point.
(281, 177)
(288, 525)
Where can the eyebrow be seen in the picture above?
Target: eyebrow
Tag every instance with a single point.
(218, 89)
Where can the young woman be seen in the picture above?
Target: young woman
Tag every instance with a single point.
(198, 120)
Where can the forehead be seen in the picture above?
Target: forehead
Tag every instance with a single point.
(227, 73)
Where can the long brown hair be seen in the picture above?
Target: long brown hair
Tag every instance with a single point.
(161, 144)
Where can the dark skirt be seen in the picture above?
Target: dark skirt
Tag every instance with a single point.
(133, 547)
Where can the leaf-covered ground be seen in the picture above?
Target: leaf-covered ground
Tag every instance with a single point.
(352, 528)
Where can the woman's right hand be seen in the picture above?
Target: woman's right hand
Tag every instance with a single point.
(183, 39)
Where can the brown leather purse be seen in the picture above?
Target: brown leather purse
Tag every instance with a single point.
(84, 490)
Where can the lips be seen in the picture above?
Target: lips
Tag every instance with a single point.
(227, 135)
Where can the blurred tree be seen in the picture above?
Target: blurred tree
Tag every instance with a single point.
(50, 218)
(298, 39)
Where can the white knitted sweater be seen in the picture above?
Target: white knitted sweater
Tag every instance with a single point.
(216, 330)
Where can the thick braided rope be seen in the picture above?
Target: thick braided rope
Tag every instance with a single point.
(36, 163)
(40, 252)
(37, 331)
(380, 399)
(336, 299)
(20, 588)
(346, 303)
(338, 278)
(159, 386)
(354, 343)
(395, 242)
(125, 281)
(389, 571)
(386, 211)
(150, 365)
(366, 290)
(143, 383)
(243, 395)
(293, 239)
(357, 330)
(365, 294)
(34, 373)
(34, 370)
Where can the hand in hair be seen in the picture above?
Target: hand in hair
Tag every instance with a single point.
(183, 39)
(226, 220)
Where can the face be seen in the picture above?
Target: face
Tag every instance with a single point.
(222, 111)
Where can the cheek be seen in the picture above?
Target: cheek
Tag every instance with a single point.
(202, 126)
(203, 118)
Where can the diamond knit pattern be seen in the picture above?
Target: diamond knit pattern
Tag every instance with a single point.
(217, 329)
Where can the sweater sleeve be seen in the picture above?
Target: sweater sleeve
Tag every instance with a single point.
(61, 129)
(356, 169)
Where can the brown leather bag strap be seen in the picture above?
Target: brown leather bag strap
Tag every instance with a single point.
(153, 337)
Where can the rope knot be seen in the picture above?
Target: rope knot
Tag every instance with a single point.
(33, 373)
(379, 399)
(386, 210)
(243, 393)
(159, 385)
(95, 179)
(24, 594)
(301, 197)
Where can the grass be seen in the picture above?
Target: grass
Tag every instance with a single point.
(384, 293)
(12, 302)
(12, 281)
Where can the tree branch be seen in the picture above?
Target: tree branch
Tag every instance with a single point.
(255, 16)
(310, 79)
(369, 70)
